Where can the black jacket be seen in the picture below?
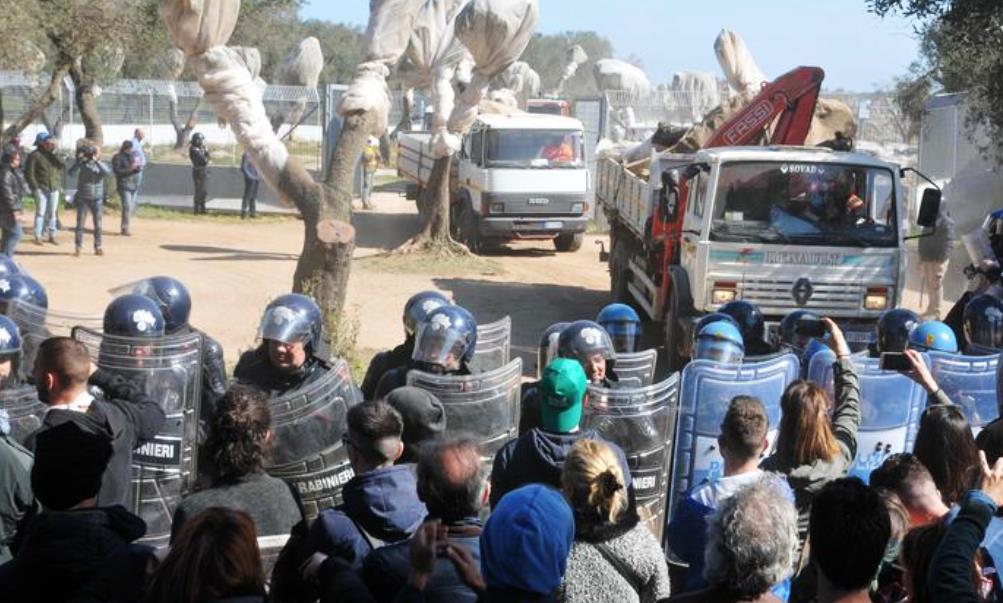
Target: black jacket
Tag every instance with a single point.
(268, 499)
(537, 457)
(11, 191)
(199, 157)
(397, 377)
(383, 363)
(127, 415)
(16, 497)
(254, 368)
(81, 554)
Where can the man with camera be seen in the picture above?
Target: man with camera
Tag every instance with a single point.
(91, 173)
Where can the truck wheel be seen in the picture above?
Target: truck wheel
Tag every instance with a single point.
(569, 241)
(468, 229)
(673, 336)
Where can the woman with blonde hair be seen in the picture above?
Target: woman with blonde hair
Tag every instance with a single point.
(614, 556)
(811, 448)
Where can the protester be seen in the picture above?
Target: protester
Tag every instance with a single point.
(44, 173)
(127, 417)
(248, 204)
(90, 195)
(453, 486)
(11, 207)
(614, 557)
(951, 572)
(945, 446)
(889, 585)
(538, 455)
(139, 159)
(16, 498)
(934, 251)
(370, 163)
(524, 550)
(811, 448)
(911, 481)
(239, 440)
(742, 442)
(849, 531)
(213, 559)
(76, 548)
(917, 551)
(200, 157)
(126, 166)
(424, 419)
(752, 545)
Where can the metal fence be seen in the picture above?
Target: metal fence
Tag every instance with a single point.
(167, 111)
(638, 115)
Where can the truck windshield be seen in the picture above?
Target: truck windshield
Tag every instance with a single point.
(805, 204)
(533, 149)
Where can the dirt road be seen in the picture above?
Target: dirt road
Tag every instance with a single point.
(234, 269)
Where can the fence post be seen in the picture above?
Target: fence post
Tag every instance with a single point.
(151, 136)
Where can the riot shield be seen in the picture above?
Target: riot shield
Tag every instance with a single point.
(642, 422)
(970, 382)
(890, 408)
(637, 366)
(169, 370)
(494, 343)
(484, 406)
(308, 426)
(706, 391)
(24, 410)
(38, 324)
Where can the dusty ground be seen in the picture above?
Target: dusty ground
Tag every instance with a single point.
(233, 269)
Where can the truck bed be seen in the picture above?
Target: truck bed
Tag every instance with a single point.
(414, 156)
(625, 197)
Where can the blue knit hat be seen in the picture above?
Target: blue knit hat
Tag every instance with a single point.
(526, 541)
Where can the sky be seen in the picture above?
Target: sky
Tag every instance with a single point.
(859, 51)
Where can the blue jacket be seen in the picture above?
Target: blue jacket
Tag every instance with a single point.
(687, 531)
(383, 502)
(950, 577)
(537, 457)
(386, 569)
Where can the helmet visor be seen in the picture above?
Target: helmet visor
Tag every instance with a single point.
(724, 352)
(624, 335)
(284, 324)
(438, 346)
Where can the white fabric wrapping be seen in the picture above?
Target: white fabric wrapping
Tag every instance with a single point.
(740, 68)
(251, 59)
(574, 58)
(195, 26)
(496, 32)
(387, 37)
(302, 65)
(614, 74)
(701, 89)
(171, 64)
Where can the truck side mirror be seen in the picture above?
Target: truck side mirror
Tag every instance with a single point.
(668, 198)
(929, 208)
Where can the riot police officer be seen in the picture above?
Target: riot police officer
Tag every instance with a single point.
(133, 315)
(175, 303)
(789, 339)
(751, 324)
(21, 287)
(933, 336)
(444, 345)
(288, 357)
(415, 311)
(589, 344)
(893, 329)
(721, 342)
(983, 325)
(623, 325)
(10, 353)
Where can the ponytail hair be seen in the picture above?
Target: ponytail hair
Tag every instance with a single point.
(593, 482)
(238, 435)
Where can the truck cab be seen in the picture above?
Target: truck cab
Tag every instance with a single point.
(522, 176)
(782, 227)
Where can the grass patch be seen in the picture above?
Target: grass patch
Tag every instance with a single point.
(430, 262)
(149, 212)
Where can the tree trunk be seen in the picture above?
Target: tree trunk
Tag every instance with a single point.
(40, 104)
(181, 131)
(435, 204)
(87, 105)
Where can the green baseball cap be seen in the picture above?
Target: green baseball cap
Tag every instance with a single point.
(562, 391)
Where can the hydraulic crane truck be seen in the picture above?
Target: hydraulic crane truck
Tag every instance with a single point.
(783, 226)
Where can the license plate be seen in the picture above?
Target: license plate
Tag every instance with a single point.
(539, 201)
(552, 225)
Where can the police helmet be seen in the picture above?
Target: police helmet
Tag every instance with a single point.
(983, 320)
(721, 342)
(893, 330)
(10, 337)
(583, 339)
(548, 345)
(749, 318)
(933, 336)
(198, 138)
(788, 338)
(171, 296)
(706, 319)
(292, 318)
(21, 288)
(8, 266)
(623, 325)
(418, 307)
(133, 315)
(446, 339)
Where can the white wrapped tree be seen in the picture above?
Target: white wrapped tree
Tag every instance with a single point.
(574, 58)
(301, 67)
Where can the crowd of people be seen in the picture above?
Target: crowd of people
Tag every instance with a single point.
(430, 514)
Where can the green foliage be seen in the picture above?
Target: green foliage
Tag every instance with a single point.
(341, 329)
(546, 54)
(962, 48)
